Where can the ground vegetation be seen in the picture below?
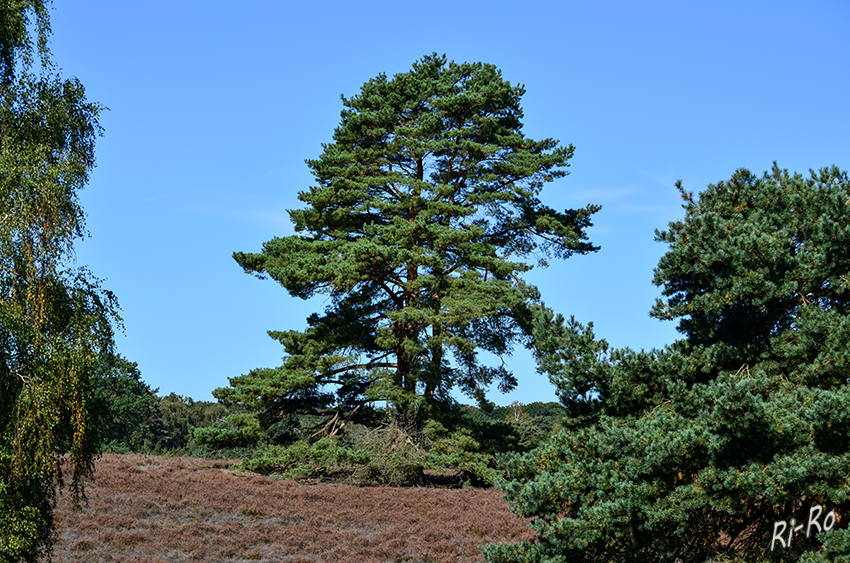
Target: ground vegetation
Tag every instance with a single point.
(150, 509)
(465, 448)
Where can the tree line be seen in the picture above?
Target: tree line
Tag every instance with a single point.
(425, 214)
(129, 416)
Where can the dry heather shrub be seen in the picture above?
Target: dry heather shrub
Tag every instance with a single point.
(82, 544)
(184, 509)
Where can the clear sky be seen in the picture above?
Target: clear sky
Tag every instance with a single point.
(214, 106)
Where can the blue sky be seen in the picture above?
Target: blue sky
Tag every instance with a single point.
(214, 106)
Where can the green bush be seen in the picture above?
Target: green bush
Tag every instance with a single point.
(395, 456)
(323, 458)
(457, 450)
(239, 430)
(390, 454)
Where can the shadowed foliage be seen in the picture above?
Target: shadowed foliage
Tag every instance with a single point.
(128, 417)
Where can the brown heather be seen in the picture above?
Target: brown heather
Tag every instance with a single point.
(150, 509)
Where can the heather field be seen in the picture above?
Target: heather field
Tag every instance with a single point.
(167, 509)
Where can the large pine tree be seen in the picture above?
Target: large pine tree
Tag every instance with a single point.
(708, 449)
(424, 210)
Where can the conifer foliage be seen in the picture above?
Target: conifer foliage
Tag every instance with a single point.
(703, 450)
(54, 319)
(424, 209)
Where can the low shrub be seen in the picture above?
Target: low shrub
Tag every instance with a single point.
(301, 460)
(457, 450)
(395, 457)
(392, 454)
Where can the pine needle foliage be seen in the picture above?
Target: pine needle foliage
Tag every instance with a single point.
(694, 452)
(425, 209)
(54, 318)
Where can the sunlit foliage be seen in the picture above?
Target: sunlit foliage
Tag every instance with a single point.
(696, 451)
(54, 318)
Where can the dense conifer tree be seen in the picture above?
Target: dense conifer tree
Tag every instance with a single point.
(425, 205)
(710, 447)
(127, 410)
(54, 319)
